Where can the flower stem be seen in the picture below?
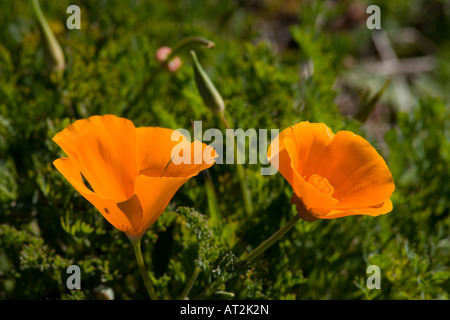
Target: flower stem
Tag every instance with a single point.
(136, 242)
(254, 254)
(248, 206)
(189, 42)
(271, 240)
(211, 196)
(190, 284)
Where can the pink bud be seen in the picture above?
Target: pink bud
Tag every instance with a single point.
(162, 54)
(174, 64)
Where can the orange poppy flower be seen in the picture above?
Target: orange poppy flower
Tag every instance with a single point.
(129, 169)
(332, 175)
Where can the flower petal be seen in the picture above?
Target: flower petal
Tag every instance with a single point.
(311, 197)
(202, 157)
(154, 149)
(303, 213)
(279, 157)
(167, 161)
(301, 149)
(357, 172)
(311, 141)
(154, 194)
(132, 208)
(374, 211)
(104, 149)
(125, 220)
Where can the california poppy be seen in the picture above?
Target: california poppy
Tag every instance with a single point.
(333, 175)
(129, 169)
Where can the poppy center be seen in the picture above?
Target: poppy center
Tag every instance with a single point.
(321, 184)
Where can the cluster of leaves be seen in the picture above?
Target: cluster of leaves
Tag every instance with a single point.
(266, 83)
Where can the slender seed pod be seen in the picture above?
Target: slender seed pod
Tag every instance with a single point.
(54, 53)
(211, 97)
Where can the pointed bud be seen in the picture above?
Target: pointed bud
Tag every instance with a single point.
(211, 97)
(54, 53)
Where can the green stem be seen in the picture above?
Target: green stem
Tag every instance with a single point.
(254, 254)
(136, 242)
(224, 120)
(209, 291)
(211, 196)
(188, 43)
(248, 207)
(190, 284)
(270, 241)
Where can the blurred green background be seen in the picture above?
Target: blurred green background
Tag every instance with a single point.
(275, 63)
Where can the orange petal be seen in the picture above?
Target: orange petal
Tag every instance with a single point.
(374, 211)
(104, 150)
(154, 194)
(311, 197)
(311, 141)
(280, 159)
(202, 157)
(301, 148)
(132, 208)
(127, 220)
(303, 213)
(357, 172)
(156, 186)
(159, 154)
(154, 149)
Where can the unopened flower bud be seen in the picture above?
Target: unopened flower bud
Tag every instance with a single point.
(162, 56)
(174, 64)
(211, 97)
(53, 51)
